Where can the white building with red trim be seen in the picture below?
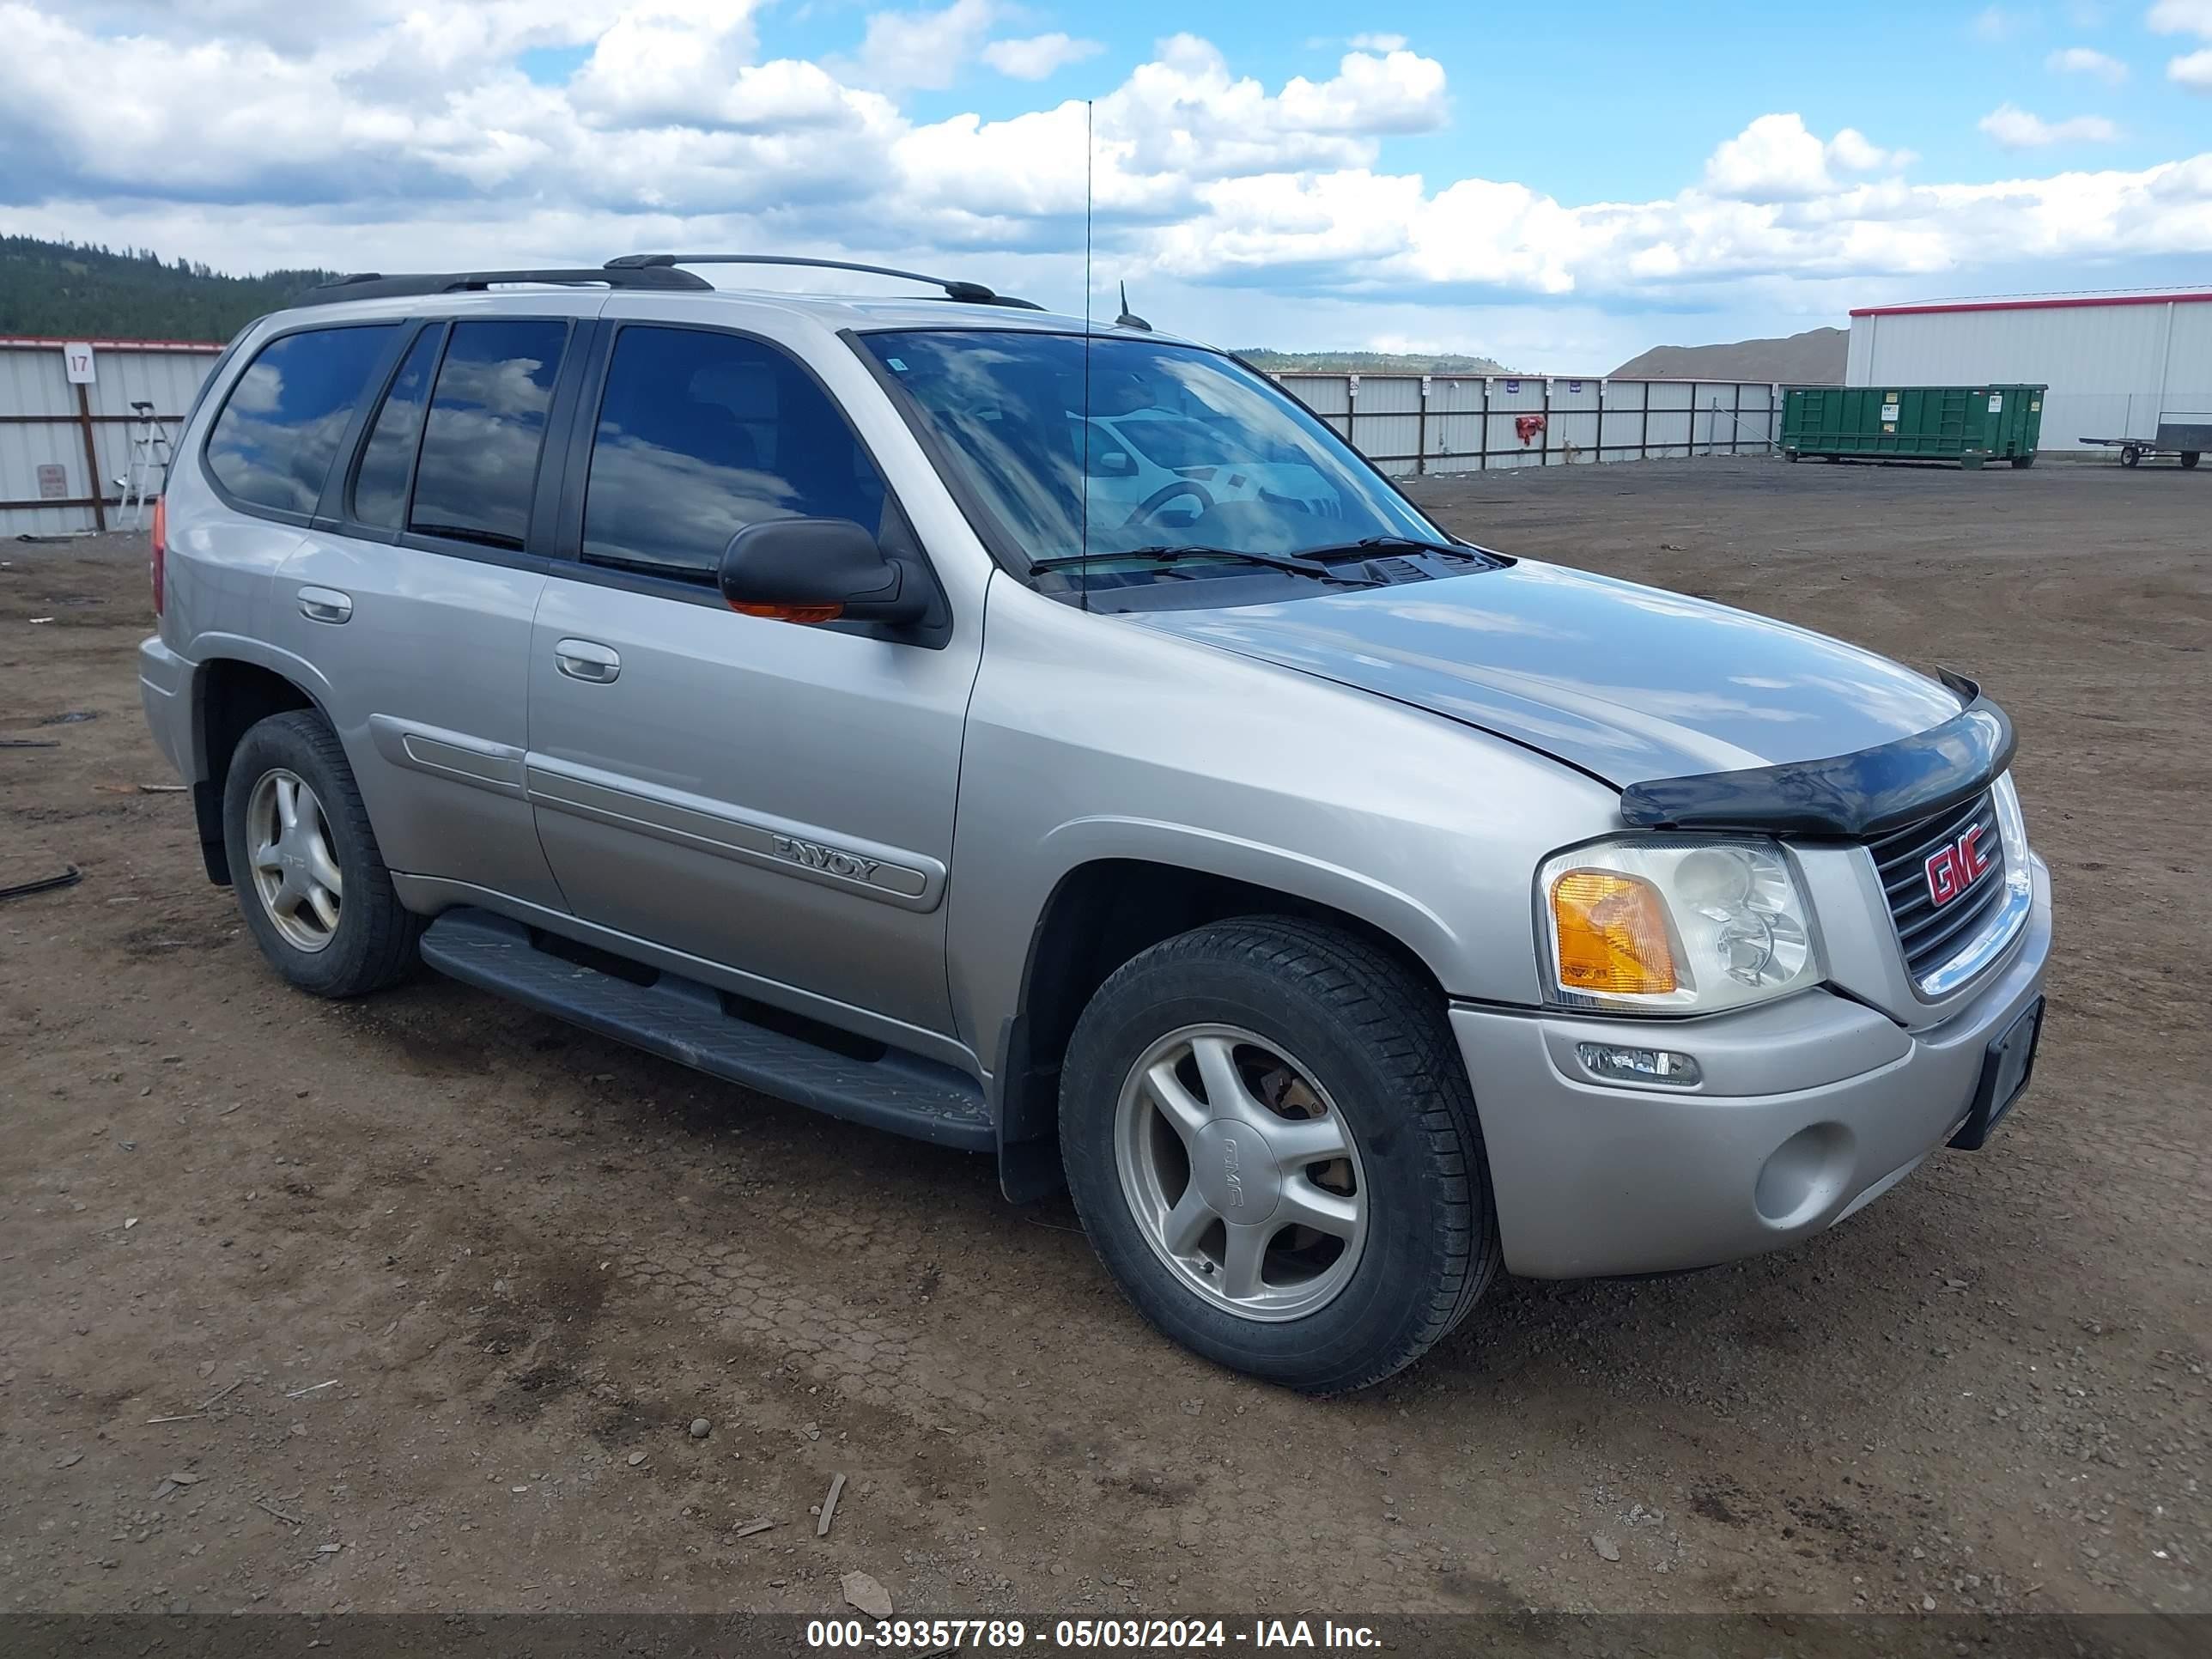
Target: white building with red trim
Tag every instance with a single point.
(2114, 362)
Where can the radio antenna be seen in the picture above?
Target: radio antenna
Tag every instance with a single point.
(1083, 488)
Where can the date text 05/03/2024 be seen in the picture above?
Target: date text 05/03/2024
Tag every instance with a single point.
(1010, 1635)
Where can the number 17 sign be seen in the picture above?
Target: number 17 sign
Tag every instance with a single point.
(76, 358)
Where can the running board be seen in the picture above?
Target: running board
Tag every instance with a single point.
(682, 1020)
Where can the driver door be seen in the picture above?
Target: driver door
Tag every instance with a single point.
(773, 799)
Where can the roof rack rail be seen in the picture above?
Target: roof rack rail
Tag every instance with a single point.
(973, 293)
(375, 285)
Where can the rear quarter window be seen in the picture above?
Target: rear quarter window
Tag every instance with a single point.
(282, 424)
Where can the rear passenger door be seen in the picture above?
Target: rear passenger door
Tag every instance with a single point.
(771, 797)
(414, 592)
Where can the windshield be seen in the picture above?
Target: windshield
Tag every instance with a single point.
(1183, 448)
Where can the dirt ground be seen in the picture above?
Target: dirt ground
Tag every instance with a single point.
(423, 1292)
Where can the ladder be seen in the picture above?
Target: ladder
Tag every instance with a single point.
(147, 473)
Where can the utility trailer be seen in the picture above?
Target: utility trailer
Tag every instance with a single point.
(2186, 435)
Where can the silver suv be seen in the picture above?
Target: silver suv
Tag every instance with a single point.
(1055, 743)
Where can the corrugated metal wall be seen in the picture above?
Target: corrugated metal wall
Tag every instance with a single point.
(1417, 424)
(43, 425)
(2112, 368)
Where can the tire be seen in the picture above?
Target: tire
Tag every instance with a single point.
(373, 943)
(2190, 457)
(2023, 461)
(2129, 456)
(1373, 1061)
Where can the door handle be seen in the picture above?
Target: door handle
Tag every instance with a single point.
(587, 660)
(325, 604)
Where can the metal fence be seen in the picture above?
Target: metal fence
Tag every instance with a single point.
(1422, 423)
(66, 423)
(65, 439)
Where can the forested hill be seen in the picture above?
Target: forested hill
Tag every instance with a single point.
(62, 290)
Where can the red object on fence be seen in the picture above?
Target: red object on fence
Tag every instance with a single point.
(1526, 427)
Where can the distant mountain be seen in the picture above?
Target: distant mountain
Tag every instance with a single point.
(1814, 357)
(62, 288)
(1368, 362)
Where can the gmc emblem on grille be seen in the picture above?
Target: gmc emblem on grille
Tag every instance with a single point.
(1954, 868)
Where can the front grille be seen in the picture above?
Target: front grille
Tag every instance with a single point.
(1929, 935)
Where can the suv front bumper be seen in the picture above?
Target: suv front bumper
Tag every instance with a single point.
(1809, 1109)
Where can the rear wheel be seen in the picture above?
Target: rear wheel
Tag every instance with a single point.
(1269, 1135)
(311, 882)
(2023, 461)
(2130, 455)
(2189, 456)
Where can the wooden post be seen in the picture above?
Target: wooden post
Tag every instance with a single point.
(91, 460)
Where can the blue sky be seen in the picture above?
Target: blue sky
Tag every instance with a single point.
(1557, 187)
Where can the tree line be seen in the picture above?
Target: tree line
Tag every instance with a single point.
(86, 289)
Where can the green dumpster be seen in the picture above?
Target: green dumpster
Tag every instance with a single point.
(1968, 424)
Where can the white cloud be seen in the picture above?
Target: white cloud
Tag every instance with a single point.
(923, 49)
(2192, 69)
(2086, 60)
(2017, 129)
(1039, 57)
(393, 135)
(666, 63)
(1777, 159)
(2181, 17)
(1995, 23)
(1378, 43)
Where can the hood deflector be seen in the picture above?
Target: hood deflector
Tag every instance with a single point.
(1857, 795)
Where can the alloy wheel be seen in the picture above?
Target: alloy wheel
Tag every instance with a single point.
(295, 872)
(1241, 1173)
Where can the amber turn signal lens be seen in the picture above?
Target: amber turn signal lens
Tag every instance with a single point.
(1612, 933)
(791, 613)
(157, 563)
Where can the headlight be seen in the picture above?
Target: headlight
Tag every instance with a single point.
(1675, 925)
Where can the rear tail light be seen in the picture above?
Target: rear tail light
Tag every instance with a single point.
(161, 545)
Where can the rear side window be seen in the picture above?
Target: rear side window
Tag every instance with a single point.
(280, 427)
(485, 428)
(380, 489)
(700, 434)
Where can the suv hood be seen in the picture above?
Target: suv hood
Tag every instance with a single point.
(1627, 682)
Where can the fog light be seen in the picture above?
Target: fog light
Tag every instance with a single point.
(1618, 1064)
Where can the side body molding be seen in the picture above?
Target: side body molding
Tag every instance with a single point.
(889, 875)
(451, 755)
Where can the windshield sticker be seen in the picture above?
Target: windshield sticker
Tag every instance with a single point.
(897, 364)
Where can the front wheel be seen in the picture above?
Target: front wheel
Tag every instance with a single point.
(2130, 455)
(311, 884)
(1269, 1136)
(2189, 457)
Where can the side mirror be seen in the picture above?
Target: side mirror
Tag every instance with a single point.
(818, 571)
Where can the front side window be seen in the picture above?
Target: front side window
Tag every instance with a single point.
(485, 428)
(1150, 447)
(702, 433)
(280, 428)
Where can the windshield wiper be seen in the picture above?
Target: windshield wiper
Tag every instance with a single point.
(1176, 554)
(1380, 544)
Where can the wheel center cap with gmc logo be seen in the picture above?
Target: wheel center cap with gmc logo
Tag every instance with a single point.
(1236, 1170)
